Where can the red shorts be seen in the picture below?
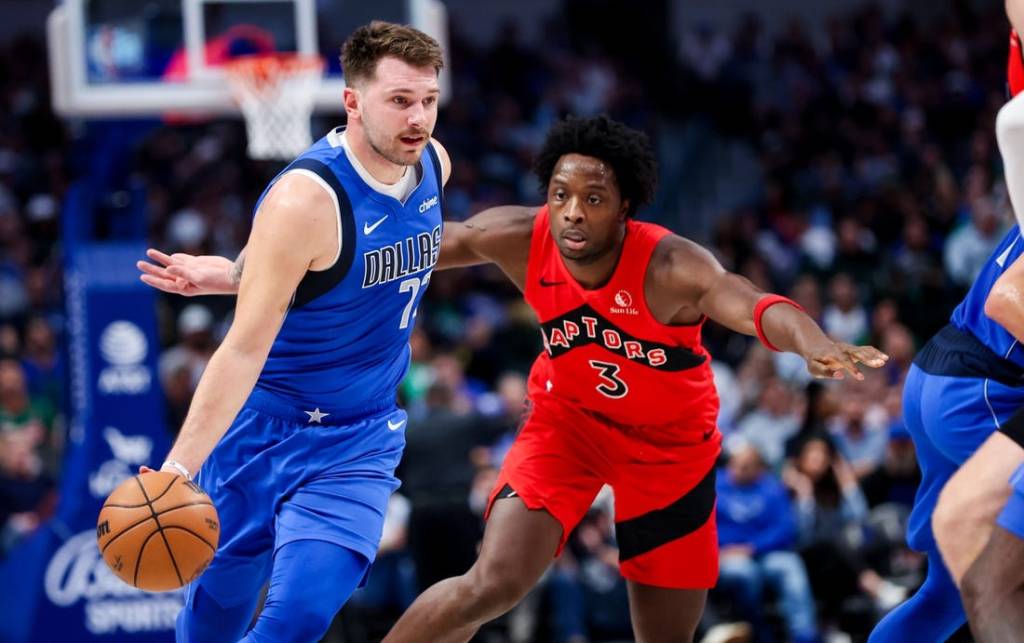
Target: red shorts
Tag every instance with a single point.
(663, 480)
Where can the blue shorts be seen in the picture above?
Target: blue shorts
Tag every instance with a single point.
(278, 475)
(948, 417)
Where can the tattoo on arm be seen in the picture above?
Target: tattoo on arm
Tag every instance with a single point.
(236, 271)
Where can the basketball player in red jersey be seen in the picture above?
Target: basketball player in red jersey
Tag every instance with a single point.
(623, 393)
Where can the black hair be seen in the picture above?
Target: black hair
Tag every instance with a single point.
(626, 150)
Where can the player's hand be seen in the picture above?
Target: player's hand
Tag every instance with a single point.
(188, 275)
(145, 469)
(831, 359)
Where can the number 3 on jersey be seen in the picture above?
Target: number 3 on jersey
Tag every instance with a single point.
(610, 386)
(411, 286)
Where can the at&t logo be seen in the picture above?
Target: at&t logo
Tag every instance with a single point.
(123, 346)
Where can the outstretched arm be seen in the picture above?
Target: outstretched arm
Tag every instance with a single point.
(498, 235)
(192, 275)
(694, 281)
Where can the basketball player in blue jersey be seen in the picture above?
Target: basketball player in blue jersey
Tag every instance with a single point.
(959, 402)
(294, 429)
(992, 586)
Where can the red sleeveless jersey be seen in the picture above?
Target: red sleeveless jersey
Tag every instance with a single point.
(604, 350)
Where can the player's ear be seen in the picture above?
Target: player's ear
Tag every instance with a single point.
(351, 99)
(624, 210)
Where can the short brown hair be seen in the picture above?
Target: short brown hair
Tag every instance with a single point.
(370, 43)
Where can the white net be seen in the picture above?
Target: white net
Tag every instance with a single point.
(276, 95)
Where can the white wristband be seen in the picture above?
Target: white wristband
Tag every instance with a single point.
(177, 466)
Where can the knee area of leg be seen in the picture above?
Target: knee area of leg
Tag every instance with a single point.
(499, 586)
(298, 623)
(951, 513)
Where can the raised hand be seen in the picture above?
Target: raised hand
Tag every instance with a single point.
(188, 275)
(830, 359)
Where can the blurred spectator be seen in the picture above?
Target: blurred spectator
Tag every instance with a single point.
(897, 479)
(757, 532)
(437, 478)
(969, 247)
(413, 388)
(43, 364)
(193, 352)
(831, 511)
(588, 596)
(775, 419)
(391, 584)
(898, 344)
(730, 395)
(845, 318)
(29, 449)
(860, 430)
(178, 390)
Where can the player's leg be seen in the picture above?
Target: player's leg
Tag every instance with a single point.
(935, 608)
(933, 613)
(665, 615)
(546, 485)
(311, 580)
(994, 590)
(219, 606)
(665, 528)
(975, 495)
(993, 587)
(204, 619)
(519, 544)
(330, 516)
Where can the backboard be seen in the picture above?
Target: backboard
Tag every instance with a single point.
(117, 58)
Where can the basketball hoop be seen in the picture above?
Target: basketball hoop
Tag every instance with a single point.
(276, 93)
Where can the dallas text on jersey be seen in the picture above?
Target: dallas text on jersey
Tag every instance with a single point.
(405, 257)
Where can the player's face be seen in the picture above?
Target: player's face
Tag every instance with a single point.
(397, 110)
(587, 211)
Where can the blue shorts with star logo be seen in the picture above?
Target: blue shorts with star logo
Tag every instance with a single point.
(282, 474)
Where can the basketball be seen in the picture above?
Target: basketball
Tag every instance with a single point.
(158, 531)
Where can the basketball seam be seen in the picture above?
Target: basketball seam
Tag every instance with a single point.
(186, 529)
(159, 528)
(134, 525)
(162, 494)
(138, 560)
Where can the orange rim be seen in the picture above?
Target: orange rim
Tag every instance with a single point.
(265, 69)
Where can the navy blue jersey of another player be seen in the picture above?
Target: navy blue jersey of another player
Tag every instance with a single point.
(344, 343)
(970, 314)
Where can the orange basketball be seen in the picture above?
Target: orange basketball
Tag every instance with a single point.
(158, 531)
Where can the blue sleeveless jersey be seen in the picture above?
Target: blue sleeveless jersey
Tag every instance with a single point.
(344, 343)
(970, 314)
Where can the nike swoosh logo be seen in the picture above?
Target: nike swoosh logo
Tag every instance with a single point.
(367, 228)
(548, 284)
(394, 426)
